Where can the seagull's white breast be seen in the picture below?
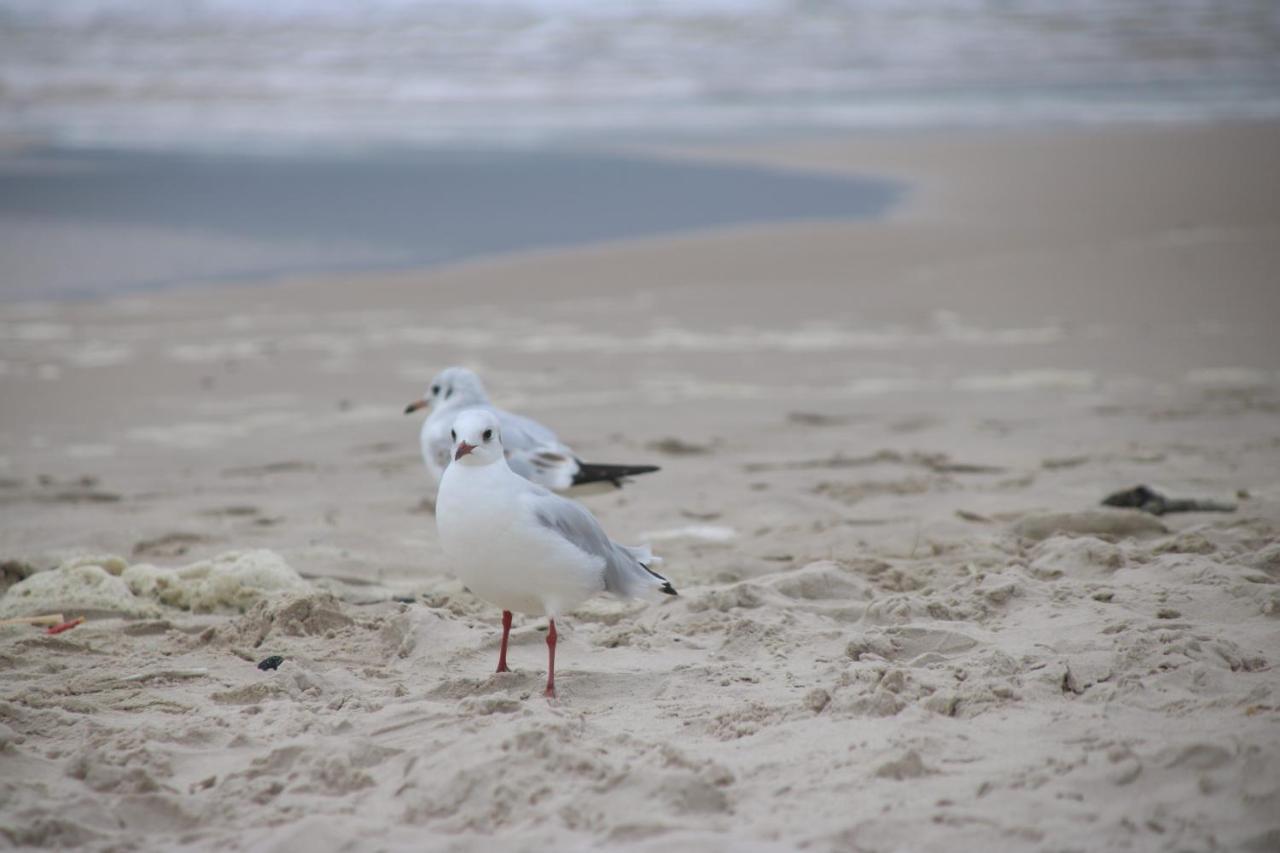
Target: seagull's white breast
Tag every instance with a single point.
(499, 549)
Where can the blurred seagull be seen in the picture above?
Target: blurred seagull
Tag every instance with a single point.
(533, 451)
(521, 547)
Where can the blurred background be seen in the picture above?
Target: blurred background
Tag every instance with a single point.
(213, 136)
(341, 72)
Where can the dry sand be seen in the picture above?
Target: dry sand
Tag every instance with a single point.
(905, 624)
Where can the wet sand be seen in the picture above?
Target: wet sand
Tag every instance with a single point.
(903, 623)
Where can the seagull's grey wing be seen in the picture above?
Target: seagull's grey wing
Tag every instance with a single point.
(519, 432)
(547, 465)
(571, 521)
(626, 570)
(534, 452)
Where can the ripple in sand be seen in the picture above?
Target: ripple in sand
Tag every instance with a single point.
(1028, 380)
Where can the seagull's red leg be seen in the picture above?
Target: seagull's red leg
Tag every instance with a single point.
(506, 629)
(551, 660)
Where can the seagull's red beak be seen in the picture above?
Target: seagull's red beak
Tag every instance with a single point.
(463, 450)
(415, 405)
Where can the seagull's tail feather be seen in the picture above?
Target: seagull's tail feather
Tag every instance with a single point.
(590, 473)
(641, 581)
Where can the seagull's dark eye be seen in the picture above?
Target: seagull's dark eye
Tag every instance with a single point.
(453, 434)
(488, 434)
(435, 390)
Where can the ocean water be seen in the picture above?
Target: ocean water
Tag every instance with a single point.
(91, 223)
(247, 72)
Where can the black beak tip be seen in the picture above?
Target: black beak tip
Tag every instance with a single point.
(408, 410)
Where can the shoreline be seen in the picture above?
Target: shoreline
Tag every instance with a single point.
(884, 183)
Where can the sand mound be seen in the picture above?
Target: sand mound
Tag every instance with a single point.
(1077, 557)
(295, 615)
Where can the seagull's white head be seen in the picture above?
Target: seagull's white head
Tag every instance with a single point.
(453, 386)
(476, 438)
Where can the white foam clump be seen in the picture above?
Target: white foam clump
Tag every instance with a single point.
(78, 585)
(233, 580)
(230, 581)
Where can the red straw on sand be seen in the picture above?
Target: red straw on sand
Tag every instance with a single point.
(65, 626)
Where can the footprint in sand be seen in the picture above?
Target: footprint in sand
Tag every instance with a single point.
(911, 644)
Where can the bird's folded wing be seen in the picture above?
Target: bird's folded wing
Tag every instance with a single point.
(572, 522)
(550, 465)
(626, 570)
(521, 433)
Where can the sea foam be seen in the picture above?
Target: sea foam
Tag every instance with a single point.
(232, 581)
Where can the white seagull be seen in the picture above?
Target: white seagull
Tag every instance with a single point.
(533, 451)
(523, 548)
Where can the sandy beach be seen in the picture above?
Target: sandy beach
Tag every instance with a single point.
(905, 621)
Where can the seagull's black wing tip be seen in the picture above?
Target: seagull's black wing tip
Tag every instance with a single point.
(615, 474)
(666, 584)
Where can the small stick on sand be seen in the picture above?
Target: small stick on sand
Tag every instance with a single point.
(47, 619)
